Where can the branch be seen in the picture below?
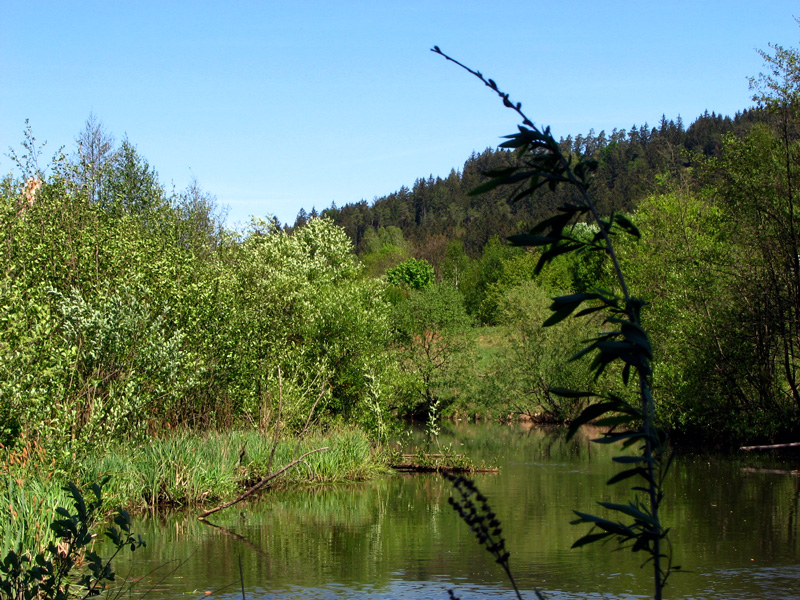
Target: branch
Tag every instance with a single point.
(771, 446)
(260, 484)
(490, 83)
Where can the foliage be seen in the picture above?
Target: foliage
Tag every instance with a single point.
(414, 274)
(52, 573)
(430, 332)
(720, 272)
(542, 163)
(536, 360)
(383, 248)
(756, 193)
(298, 302)
(693, 273)
(498, 268)
(127, 311)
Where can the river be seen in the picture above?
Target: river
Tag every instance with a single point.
(734, 523)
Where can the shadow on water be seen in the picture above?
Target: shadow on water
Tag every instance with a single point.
(735, 530)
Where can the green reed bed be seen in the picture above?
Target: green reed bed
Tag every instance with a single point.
(28, 508)
(186, 469)
(190, 469)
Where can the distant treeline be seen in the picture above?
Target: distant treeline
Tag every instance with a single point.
(633, 164)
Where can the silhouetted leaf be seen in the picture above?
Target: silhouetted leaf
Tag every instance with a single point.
(590, 538)
(604, 524)
(630, 510)
(588, 414)
(527, 240)
(625, 224)
(627, 474)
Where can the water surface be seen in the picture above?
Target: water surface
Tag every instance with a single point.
(734, 527)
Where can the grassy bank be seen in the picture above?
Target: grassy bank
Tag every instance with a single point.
(186, 469)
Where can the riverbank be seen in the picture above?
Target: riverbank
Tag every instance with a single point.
(187, 469)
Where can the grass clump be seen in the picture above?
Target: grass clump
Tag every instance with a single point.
(187, 469)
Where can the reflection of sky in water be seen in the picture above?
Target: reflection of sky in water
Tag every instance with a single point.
(397, 538)
(400, 589)
(755, 584)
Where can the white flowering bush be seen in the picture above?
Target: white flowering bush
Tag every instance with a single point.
(298, 302)
(117, 323)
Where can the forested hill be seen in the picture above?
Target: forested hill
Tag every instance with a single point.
(632, 164)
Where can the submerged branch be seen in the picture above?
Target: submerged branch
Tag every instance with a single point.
(260, 484)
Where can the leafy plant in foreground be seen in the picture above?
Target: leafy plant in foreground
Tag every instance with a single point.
(50, 574)
(541, 162)
(483, 522)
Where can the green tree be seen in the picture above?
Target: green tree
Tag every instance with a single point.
(95, 148)
(690, 273)
(431, 329)
(536, 360)
(383, 248)
(412, 274)
(297, 302)
(456, 263)
(130, 184)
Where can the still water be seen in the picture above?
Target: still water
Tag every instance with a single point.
(734, 523)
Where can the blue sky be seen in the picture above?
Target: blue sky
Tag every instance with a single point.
(274, 106)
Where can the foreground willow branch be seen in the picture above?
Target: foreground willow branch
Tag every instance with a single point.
(542, 163)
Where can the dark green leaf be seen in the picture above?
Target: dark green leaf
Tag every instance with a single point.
(590, 538)
(630, 510)
(588, 414)
(625, 224)
(628, 459)
(627, 474)
(605, 524)
(527, 240)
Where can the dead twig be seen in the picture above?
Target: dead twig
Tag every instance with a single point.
(264, 481)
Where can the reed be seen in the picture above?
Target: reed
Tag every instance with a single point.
(190, 469)
(28, 507)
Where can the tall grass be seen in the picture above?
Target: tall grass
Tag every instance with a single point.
(186, 469)
(27, 507)
(189, 469)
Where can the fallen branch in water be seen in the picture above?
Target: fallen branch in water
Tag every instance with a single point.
(772, 446)
(237, 537)
(260, 484)
(416, 468)
(769, 471)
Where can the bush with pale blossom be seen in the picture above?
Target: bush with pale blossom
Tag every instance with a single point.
(32, 186)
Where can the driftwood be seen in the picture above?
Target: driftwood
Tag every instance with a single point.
(770, 471)
(413, 456)
(410, 465)
(264, 481)
(415, 468)
(772, 446)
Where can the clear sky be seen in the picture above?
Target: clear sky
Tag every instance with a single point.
(273, 106)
